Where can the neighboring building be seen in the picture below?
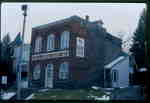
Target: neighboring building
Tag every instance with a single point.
(117, 72)
(71, 53)
(15, 48)
(25, 58)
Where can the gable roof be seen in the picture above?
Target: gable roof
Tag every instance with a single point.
(74, 17)
(110, 65)
(116, 61)
(77, 18)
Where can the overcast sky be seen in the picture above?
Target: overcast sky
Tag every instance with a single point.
(117, 17)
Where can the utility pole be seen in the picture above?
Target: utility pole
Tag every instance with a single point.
(19, 67)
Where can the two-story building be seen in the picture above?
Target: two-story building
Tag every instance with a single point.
(71, 53)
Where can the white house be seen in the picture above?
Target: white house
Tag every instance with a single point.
(117, 72)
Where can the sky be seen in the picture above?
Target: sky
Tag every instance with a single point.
(118, 18)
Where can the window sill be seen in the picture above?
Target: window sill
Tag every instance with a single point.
(51, 50)
(37, 52)
(63, 79)
(36, 80)
(57, 50)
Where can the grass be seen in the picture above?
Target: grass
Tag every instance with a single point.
(80, 94)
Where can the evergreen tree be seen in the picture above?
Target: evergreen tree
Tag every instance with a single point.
(138, 47)
(6, 58)
(6, 39)
(5, 47)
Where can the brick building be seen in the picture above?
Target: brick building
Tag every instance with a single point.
(71, 53)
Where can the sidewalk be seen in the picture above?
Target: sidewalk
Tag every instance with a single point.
(25, 92)
(7, 96)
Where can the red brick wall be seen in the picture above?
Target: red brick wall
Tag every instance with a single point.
(75, 31)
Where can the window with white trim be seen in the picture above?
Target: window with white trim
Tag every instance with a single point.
(65, 36)
(36, 72)
(80, 43)
(115, 75)
(38, 44)
(50, 70)
(51, 42)
(63, 71)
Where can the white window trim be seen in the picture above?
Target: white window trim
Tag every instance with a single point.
(80, 48)
(64, 74)
(37, 72)
(115, 71)
(65, 38)
(47, 80)
(51, 42)
(38, 44)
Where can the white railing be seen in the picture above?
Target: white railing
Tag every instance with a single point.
(57, 54)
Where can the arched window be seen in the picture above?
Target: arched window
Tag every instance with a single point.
(63, 71)
(36, 72)
(51, 42)
(115, 75)
(38, 44)
(65, 40)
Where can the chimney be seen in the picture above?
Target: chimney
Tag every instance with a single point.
(87, 18)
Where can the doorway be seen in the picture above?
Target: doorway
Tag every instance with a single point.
(49, 76)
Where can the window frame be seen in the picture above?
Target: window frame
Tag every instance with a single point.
(38, 44)
(50, 42)
(37, 70)
(64, 71)
(64, 40)
(80, 48)
(116, 74)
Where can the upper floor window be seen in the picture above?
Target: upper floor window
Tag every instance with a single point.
(80, 47)
(63, 71)
(36, 72)
(65, 40)
(38, 44)
(51, 42)
(115, 75)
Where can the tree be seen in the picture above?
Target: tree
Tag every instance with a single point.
(6, 57)
(138, 51)
(6, 39)
(138, 47)
(5, 47)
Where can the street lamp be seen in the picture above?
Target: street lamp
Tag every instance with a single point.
(24, 9)
(19, 69)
